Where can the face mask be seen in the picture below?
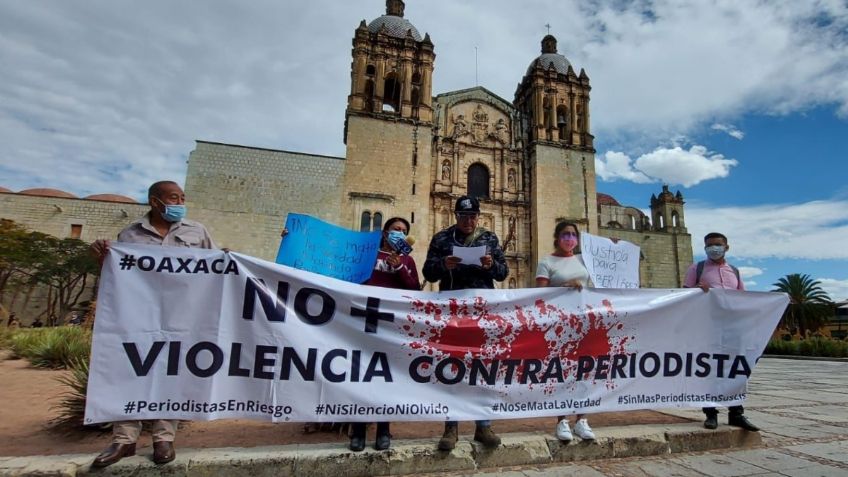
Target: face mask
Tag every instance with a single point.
(568, 243)
(395, 236)
(715, 252)
(173, 213)
(397, 240)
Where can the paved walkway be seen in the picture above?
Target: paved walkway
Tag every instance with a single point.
(802, 407)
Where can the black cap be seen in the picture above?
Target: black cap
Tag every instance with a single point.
(467, 205)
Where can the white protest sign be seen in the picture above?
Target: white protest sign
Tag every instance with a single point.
(610, 265)
(186, 333)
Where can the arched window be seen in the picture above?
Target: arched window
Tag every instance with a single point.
(365, 222)
(378, 221)
(416, 78)
(391, 93)
(662, 222)
(370, 70)
(633, 222)
(478, 181)
(675, 220)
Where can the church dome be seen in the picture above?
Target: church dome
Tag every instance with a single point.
(395, 26)
(550, 56)
(111, 198)
(44, 192)
(606, 199)
(393, 23)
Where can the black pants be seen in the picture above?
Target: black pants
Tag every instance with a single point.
(358, 429)
(732, 410)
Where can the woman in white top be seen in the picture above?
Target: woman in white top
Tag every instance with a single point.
(565, 268)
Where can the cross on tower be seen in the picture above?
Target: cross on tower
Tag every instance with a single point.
(372, 314)
(548, 26)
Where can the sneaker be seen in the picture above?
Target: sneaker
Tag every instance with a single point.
(449, 438)
(487, 437)
(563, 431)
(583, 431)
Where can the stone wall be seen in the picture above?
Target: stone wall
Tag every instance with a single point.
(387, 170)
(243, 194)
(56, 215)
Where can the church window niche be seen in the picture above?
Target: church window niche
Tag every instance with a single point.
(562, 121)
(446, 172)
(391, 92)
(415, 97)
(365, 222)
(633, 222)
(478, 181)
(675, 220)
(369, 95)
(370, 70)
(416, 78)
(662, 222)
(377, 221)
(579, 117)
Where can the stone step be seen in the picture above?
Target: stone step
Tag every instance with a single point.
(413, 456)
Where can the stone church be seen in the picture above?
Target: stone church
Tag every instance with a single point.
(531, 162)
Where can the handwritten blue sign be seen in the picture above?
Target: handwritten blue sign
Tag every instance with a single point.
(320, 247)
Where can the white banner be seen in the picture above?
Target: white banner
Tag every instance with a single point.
(202, 334)
(610, 264)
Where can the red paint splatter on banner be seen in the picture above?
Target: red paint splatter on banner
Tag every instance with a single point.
(472, 330)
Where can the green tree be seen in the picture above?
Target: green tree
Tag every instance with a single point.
(809, 305)
(64, 266)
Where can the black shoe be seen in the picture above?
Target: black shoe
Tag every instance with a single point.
(741, 421)
(163, 452)
(383, 442)
(711, 422)
(357, 443)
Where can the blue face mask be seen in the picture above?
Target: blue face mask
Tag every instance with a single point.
(173, 213)
(397, 240)
(395, 237)
(715, 252)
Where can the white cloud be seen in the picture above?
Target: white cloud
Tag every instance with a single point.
(617, 165)
(813, 230)
(837, 289)
(749, 272)
(730, 129)
(668, 165)
(108, 95)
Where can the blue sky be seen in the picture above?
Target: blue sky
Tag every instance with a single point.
(743, 106)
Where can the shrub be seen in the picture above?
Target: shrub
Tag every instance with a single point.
(823, 347)
(71, 403)
(57, 347)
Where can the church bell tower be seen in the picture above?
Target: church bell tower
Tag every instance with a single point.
(388, 125)
(554, 102)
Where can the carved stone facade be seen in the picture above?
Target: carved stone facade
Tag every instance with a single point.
(531, 162)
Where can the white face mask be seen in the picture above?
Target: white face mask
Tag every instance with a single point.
(715, 252)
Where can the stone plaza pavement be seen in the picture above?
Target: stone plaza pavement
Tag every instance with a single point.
(802, 406)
